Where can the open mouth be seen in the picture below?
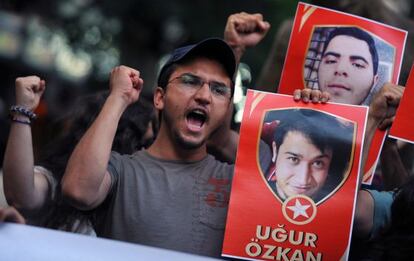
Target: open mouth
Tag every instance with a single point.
(196, 119)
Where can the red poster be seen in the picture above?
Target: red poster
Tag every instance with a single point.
(403, 127)
(296, 176)
(348, 56)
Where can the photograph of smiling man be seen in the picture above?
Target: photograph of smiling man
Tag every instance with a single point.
(311, 153)
(296, 175)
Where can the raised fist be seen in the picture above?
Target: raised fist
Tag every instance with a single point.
(245, 30)
(29, 90)
(126, 83)
(384, 105)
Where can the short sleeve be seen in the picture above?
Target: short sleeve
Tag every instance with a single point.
(53, 184)
(114, 168)
(382, 209)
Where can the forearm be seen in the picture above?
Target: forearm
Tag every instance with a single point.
(271, 71)
(85, 172)
(381, 112)
(394, 173)
(371, 127)
(18, 167)
(238, 52)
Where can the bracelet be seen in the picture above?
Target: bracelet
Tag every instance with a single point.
(20, 121)
(23, 111)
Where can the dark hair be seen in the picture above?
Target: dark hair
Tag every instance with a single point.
(128, 139)
(358, 34)
(325, 132)
(165, 75)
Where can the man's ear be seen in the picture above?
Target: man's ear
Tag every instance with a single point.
(375, 80)
(159, 95)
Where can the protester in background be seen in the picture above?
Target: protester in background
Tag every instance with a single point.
(368, 219)
(395, 240)
(393, 171)
(271, 71)
(35, 189)
(373, 208)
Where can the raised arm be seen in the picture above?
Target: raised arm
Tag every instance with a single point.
(24, 188)
(381, 115)
(86, 181)
(393, 171)
(244, 30)
(381, 111)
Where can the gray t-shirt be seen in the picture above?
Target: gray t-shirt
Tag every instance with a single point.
(169, 204)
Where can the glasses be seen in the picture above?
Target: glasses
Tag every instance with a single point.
(194, 83)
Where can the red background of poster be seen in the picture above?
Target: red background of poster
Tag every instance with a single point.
(308, 16)
(252, 202)
(403, 127)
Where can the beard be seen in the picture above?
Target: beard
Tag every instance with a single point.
(185, 144)
(177, 137)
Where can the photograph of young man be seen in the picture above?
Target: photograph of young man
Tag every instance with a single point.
(311, 154)
(349, 67)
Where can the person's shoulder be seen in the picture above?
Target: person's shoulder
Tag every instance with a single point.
(116, 156)
(381, 197)
(119, 162)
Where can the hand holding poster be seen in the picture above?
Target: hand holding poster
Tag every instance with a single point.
(403, 127)
(296, 194)
(347, 56)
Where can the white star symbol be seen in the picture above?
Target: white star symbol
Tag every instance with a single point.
(299, 210)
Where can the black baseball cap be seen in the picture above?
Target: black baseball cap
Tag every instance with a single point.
(214, 48)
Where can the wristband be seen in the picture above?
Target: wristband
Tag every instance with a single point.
(21, 121)
(23, 111)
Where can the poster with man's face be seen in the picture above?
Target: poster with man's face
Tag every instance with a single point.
(296, 179)
(349, 57)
